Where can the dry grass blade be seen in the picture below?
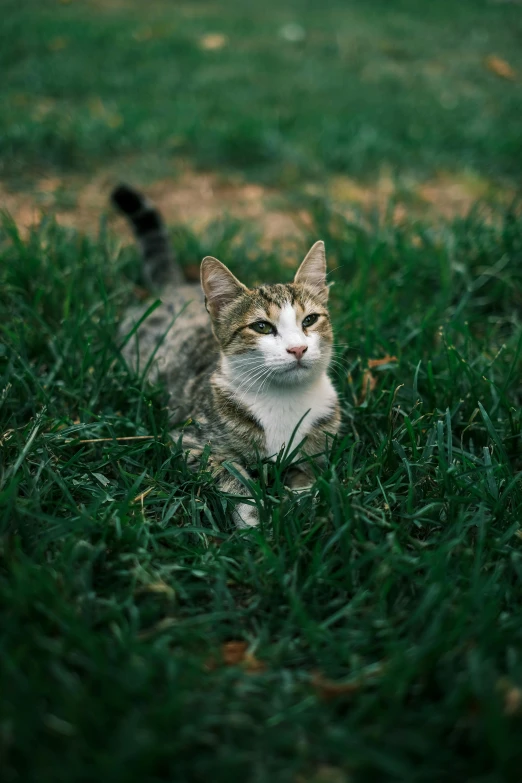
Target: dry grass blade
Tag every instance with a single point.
(142, 495)
(500, 67)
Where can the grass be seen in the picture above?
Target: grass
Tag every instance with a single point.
(371, 632)
(364, 86)
(121, 579)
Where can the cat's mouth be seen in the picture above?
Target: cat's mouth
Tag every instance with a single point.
(293, 371)
(296, 367)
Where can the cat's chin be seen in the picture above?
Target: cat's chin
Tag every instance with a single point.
(295, 374)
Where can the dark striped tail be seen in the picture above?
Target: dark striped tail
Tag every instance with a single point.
(159, 264)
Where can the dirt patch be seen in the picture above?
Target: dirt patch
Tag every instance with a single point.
(197, 199)
(192, 197)
(444, 196)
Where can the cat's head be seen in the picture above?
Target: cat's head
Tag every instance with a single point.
(275, 334)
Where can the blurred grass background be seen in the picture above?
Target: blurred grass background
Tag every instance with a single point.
(280, 91)
(374, 632)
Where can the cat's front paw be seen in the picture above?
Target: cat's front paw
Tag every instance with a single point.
(298, 481)
(245, 516)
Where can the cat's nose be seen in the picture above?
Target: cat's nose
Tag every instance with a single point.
(298, 351)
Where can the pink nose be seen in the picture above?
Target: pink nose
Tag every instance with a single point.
(298, 351)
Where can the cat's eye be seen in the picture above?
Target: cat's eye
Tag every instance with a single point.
(310, 319)
(262, 327)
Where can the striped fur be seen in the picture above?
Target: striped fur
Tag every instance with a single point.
(247, 390)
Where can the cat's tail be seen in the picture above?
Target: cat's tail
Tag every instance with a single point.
(159, 263)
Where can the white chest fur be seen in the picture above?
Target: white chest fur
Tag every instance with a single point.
(279, 411)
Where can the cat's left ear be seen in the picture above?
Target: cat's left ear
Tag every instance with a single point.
(312, 272)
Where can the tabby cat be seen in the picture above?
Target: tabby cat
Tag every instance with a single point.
(247, 367)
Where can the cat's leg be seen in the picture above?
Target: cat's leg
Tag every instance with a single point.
(244, 515)
(299, 479)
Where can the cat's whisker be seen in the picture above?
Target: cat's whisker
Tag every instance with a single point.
(248, 373)
(338, 367)
(253, 380)
(264, 383)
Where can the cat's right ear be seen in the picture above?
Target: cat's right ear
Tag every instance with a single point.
(219, 285)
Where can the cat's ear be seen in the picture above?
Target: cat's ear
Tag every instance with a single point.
(312, 272)
(219, 285)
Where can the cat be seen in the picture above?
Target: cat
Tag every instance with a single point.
(247, 367)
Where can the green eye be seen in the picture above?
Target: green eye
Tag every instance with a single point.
(262, 327)
(310, 319)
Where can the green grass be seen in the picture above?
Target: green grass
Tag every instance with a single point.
(120, 576)
(403, 576)
(401, 85)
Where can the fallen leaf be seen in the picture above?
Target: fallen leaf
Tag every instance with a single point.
(211, 42)
(235, 653)
(379, 362)
(331, 689)
(512, 696)
(369, 381)
(157, 587)
(500, 67)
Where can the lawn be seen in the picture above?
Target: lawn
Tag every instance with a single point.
(371, 631)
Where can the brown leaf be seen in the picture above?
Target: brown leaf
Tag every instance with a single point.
(235, 653)
(500, 67)
(213, 41)
(331, 689)
(379, 362)
(369, 381)
(512, 696)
